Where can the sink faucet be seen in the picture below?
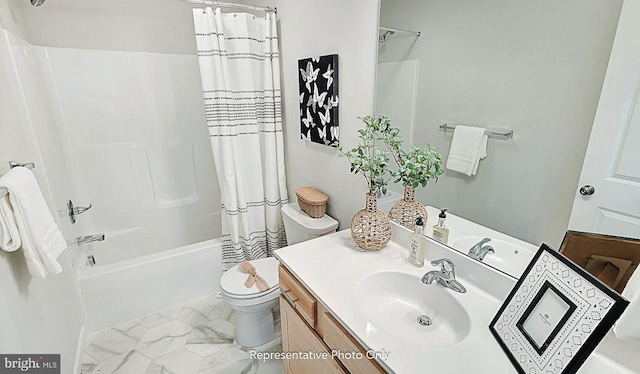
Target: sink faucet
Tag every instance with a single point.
(446, 276)
(479, 250)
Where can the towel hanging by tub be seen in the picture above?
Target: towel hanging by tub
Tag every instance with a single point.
(25, 209)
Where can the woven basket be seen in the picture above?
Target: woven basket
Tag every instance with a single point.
(406, 210)
(312, 201)
(370, 227)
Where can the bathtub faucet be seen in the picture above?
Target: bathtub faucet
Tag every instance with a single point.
(86, 239)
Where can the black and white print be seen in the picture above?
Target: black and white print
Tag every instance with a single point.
(318, 81)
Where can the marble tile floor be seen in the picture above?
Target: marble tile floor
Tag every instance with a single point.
(193, 338)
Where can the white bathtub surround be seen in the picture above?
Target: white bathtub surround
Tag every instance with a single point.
(240, 71)
(25, 211)
(173, 346)
(134, 117)
(141, 287)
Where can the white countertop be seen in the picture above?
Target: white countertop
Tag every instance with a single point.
(331, 270)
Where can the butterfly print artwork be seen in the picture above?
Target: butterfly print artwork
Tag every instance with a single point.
(318, 85)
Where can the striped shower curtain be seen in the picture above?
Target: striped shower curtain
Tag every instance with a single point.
(240, 70)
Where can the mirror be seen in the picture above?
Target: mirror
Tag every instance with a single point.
(535, 68)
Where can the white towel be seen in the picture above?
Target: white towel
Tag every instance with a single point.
(41, 240)
(468, 147)
(10, 236)
(628, 325)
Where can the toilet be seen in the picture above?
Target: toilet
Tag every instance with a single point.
(258, 313)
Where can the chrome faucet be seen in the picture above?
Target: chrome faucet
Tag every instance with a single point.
(86, 239)
(479, 250)
(446, 276)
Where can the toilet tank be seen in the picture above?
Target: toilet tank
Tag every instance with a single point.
(300, 227)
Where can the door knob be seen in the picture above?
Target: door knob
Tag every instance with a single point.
(587, 190)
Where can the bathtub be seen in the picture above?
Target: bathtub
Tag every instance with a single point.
(122, 291)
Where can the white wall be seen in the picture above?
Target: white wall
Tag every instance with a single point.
(36, 315)
(533, 66)
(349, 29)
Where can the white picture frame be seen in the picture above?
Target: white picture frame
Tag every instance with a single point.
(555, 316)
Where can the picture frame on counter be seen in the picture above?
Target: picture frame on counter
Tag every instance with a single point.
(555, 316)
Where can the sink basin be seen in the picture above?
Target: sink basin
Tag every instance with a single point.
(508, 257)
(393, 302)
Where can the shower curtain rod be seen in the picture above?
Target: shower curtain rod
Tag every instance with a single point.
(233, 5)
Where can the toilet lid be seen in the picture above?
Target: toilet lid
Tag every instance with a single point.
(232, 281)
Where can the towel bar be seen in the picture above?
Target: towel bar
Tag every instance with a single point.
(501, 133)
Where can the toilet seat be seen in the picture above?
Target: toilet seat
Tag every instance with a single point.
(233, 288)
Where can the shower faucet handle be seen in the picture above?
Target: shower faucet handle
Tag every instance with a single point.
(73, 211)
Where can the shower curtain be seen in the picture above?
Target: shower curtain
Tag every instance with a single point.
(240, 70)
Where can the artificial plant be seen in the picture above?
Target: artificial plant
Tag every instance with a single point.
(416, 167)
(367, 159)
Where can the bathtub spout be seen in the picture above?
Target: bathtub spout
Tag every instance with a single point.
(86, 239)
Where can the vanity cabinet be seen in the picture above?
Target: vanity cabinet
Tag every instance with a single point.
(307, 326)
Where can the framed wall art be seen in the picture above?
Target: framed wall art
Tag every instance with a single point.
(318, 83)
(555, 316)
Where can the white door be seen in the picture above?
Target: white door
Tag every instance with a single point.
(608, 196)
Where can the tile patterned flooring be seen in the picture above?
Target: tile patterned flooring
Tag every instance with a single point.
(194, 338)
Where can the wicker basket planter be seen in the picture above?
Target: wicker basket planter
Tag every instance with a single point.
(370, 227)
(406, 210)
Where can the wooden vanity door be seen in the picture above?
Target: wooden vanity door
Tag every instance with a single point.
(297, 336)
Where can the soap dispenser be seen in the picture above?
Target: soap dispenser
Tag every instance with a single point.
(418, 245)
(440, 231)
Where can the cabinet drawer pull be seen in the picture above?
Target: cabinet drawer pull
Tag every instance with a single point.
(291, 301)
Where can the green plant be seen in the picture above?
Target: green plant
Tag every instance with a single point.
(367, 159)
(416, 167)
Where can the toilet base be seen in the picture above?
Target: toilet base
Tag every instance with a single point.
(257, 325)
